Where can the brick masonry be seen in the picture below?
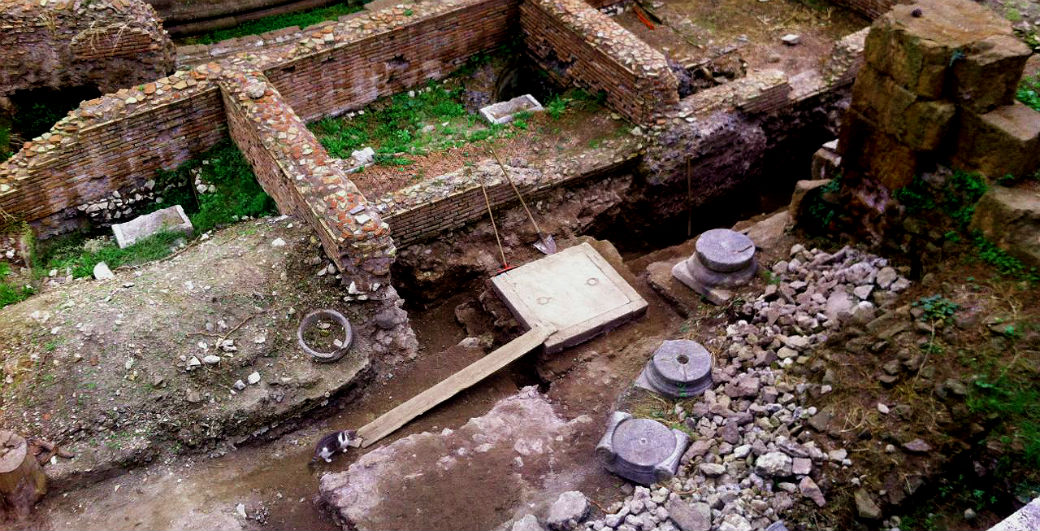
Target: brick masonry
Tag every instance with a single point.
(110, 44)
(305, 181)
(579, 45)
(115, 142)
(118, 141)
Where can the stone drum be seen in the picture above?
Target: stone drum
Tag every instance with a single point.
(724, 259)
(641, 450)
(678, 369)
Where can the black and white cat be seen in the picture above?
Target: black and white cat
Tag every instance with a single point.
(333, 442)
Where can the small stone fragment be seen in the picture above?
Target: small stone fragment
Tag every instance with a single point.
(569, 509)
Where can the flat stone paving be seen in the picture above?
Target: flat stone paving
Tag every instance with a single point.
(575, 290)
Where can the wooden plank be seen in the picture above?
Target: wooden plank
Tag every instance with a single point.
(399, 416)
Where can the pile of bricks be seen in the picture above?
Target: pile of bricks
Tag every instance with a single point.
(577, 44)
(109, 44)
(939, 86)
(304, 180)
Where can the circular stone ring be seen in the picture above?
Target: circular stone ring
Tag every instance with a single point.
(311, 319)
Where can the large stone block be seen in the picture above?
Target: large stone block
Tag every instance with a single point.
(989, 72)
(920, 124)
(1003, 141)
(916, 50)
(1010, 218)
(877, 154)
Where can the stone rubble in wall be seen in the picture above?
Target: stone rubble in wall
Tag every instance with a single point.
(752, 457)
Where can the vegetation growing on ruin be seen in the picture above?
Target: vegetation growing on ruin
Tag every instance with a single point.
(1029, 91)
(9, 292)
(5, 142)
(424, 121)
(277, 22)
(236, 196)
(79, 256)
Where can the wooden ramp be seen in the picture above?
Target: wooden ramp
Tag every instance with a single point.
(399, 416)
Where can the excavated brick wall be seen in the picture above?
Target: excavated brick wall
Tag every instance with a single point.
(110, 44)
(304, 180)
(579, 45)
(868, 8)
(115, 142)
(342, 66)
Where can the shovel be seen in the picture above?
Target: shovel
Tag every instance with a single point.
(545, 244)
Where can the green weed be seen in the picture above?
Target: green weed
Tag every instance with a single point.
(1015, 403)
(69, 252)
(237, 194)
(1004, 263)
(1029, 91)
(6, 149)
(936, 308)
(11, 294)
(276, 22)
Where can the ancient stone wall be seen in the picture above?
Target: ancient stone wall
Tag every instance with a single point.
(346, 65)
(453, 200)
(578, 45)
(110, 44)
(117, 142)
(868, 8)
(181, 18)
(112, 143)
(304, 180)
(938, 87)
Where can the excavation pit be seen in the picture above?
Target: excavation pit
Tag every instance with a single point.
(574, 291)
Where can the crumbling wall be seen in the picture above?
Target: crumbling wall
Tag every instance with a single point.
(342, 66)
(453, 200)
(868, 8)
(110, 44)
(182, 18)
(576, 44)
(112, 143)
(303, 179)
(116, 143)
(938, 87)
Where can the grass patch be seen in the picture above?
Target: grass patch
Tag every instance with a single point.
(427, 120)
(10, 294)
(1029, 91)
(70, 252)
(238, 195)
(6, 149)
(1016, 404)
(276, 22)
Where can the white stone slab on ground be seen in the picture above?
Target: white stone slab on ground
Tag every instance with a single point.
(575, 291)
(170, 219)
(503, 111)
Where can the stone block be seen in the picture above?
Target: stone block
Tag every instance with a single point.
(801, 190)
(170, 219)
(988, 74)
(1010, 218)
(879, 155)
(919, 123)
(915, 51)
(1004, 141)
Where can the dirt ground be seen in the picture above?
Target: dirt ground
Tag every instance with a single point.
(584, 133)
(694, 31)
(145, 366)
